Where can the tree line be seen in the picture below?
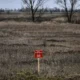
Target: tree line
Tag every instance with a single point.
(69, 7)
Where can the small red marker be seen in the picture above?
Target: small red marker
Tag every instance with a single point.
(38, 54)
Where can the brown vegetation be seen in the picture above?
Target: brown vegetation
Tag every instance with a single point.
(60, 43)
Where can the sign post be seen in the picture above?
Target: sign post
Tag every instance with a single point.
(38, 65)
(38, 54)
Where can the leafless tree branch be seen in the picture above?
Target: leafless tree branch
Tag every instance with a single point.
(34, 5)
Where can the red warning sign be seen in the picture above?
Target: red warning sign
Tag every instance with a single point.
(38, 53)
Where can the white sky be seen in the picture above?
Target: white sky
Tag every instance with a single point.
(15, 4)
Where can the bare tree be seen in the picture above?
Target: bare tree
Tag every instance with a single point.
(34, 6)
(69, 9)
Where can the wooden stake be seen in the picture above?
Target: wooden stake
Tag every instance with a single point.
(38, 65)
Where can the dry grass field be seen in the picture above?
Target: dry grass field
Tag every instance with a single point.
(60, 43)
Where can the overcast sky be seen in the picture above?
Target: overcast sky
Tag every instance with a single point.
(15, 4)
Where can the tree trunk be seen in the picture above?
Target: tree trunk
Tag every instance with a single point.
(67, 15)
(32, 11)
(71, 14)
(33, 17)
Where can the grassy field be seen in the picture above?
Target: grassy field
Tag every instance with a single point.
(23, 16)
(60, 43)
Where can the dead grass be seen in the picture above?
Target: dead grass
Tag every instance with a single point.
(59, 41)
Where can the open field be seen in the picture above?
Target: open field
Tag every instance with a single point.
(23, 16)
(60, 43)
